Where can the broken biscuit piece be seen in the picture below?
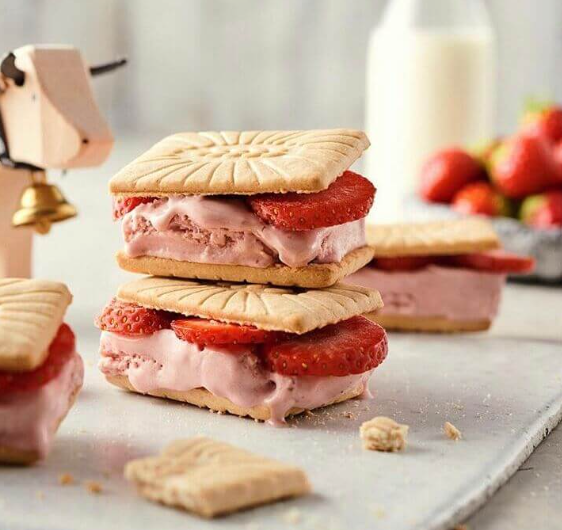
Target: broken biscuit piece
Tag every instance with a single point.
(213, 478)
(383, 434)
(451, 431)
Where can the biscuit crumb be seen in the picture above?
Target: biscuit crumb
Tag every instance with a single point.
(93, 487)
(309, 413)
(349, 415)
(292, 516)
(66, 479)
(451, 431)
(383, 434)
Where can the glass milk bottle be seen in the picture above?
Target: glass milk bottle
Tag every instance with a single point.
(430, 84)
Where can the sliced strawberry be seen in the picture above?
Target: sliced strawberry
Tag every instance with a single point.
(349, 347)
(60, 351)
(132, 319)
(498, 261)
(208, 332)
(347, 199)
(403, 263)
(123, 205)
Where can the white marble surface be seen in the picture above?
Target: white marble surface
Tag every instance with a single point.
(495, 387)
(503, 390)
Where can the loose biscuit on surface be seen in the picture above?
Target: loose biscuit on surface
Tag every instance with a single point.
(271, 308)
(460, 236)
(202, 398)
(315, 275)
(208, 163)
(211, 478)
(31, 312)
(434, 324)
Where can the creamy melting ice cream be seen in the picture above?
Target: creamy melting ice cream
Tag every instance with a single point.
(434, 291)
(225, 231)
(29, 419)
(163, 361)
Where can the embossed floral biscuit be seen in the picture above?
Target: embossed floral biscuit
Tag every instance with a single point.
(269, 308)
(241, 162)
(31, 311)
(460, 236)
(212, 478)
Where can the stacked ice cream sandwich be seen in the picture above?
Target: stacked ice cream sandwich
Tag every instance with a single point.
(444, 276)
(40, 371)
(247, 236)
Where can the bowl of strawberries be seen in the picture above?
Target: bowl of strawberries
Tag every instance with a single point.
(516, 181)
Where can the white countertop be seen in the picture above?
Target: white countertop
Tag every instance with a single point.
(80, 252)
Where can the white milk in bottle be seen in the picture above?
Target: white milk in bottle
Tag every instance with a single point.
(430, 84)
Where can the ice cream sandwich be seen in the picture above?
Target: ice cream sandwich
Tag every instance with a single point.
(250, 350)
(277, 207)
(444, 276)
(40, 371)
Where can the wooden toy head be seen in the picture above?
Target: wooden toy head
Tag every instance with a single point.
(48, 111)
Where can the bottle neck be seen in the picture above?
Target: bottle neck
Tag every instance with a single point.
(436, 14)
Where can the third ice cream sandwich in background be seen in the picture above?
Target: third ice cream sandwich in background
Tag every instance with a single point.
(251, 350)
(277, 207)
(444, 276)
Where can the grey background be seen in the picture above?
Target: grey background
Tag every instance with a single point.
(235, 64)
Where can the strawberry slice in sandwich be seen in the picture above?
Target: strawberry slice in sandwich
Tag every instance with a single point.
(250, 350)
(40, 371)
(444, 276)
(277, 207)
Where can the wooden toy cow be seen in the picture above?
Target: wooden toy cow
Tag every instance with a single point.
(49, 119)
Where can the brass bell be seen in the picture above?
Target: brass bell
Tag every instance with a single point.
(42, 204)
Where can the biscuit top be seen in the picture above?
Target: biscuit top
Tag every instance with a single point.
(461, 236)
(31, 312)
(271, 308)
(211, 478)
(214, 163)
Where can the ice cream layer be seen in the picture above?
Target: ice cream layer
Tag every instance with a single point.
(225, 231)
(162, 361)
(29, 419)
(434, 291)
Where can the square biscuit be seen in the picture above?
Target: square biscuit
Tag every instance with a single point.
(315, 275)
(202, 398)
(271, 308)
(427, 324)
(211, 478)
(31, 312)
(459, 236)
(210, 163)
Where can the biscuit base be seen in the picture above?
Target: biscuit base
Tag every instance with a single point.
(27, 457)
(428, 324)
(202, 398)
(315, 275)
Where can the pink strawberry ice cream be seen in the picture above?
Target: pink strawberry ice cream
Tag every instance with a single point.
(222, 230)
(434, 291)
(163, 361)
(29, 419)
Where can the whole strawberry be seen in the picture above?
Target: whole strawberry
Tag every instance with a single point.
(557, 155)
(446, 172)
(523, 165)
(544, 119)
(480, 198)
(542, 211)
